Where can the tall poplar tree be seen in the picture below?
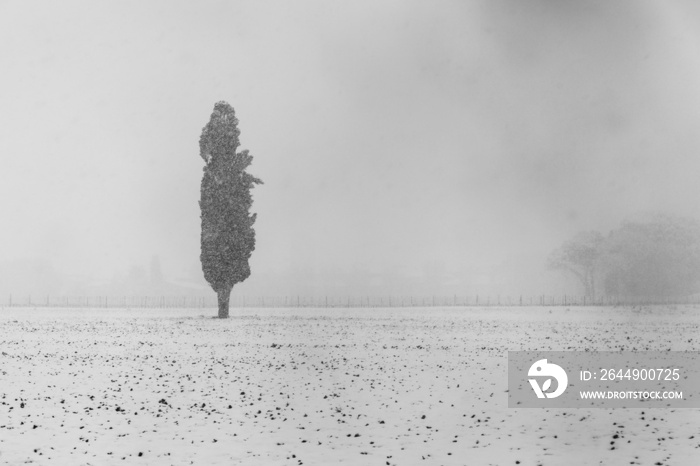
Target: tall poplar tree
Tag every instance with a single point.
(228, 237)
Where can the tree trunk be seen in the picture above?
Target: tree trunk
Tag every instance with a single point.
(223, 295)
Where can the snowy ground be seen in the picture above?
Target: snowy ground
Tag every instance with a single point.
(320, 387)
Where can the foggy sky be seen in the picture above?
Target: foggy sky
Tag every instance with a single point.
(392, 136)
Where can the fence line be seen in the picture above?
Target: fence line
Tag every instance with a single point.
(164, 302)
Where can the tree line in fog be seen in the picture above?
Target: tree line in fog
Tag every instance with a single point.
(654, 255)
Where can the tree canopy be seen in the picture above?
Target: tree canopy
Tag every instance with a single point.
(228, 237)
(580, 256)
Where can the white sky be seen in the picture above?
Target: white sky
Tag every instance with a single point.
(389, 135)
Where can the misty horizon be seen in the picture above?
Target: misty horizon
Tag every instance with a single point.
(405, 148)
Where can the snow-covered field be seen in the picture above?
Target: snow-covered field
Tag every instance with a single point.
(320, 387)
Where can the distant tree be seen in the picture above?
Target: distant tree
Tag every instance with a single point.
(228, 237)
(136, 280)
(580, 256)
(156, 273)
(656, 255)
